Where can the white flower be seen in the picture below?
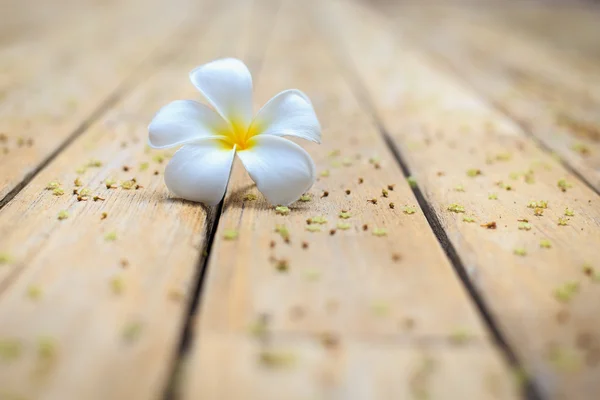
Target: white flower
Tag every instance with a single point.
(200, 170)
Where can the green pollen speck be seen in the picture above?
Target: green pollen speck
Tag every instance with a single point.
(5, 258)
(132, 332)
(117, 285)
(379, 232)
(128, 185)
(144, 166)
(53, 185)
(305, 198)
(411, 181)
(110, 236)
(468, 219)
(110, 183)
(344, 215)
(58, 191)
(409, 210)
(250, 197)
(563, 185)
(460, 336)
(77, 182)
(34, 292)
(312, 274)
(10, 349)
(459, 188)
(520, 251)
(318, 220)
(456, 208)
(569, 212)
(324, 173)
(343, 225)
(46, 348)
(63, 214)
(230, 234)
(493, 196)
(380, 308)
(94, 163)
(545, 244)
(566, 291)
(282, 210)
(313, 228)
(562, 221)
(283, 232)
(276, 358)
(524, 226)
(473, 172)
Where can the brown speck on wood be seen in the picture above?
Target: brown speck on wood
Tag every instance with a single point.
(124, 263)
(592, 358)
(372, 201)
(297, 312)
(365, 227)
(391, 187)
(360, 181)
(396, 257)
(584, 340)
(332, 232)
(104, 215)
(562, 316)
(156, 172)
(305, 245)
(408, 323)
(489, 225)
(440, 173)
(325, 194)
(348, 191)
(125, 168)
(329, 340)
(392, 205)
(272, 244)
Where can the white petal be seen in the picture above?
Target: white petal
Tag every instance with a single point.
(200, 171)
(282, 170)
(184, 121)
(289, 113)
(227, 85)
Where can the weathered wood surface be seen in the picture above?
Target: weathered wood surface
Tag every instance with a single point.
(445, 133)
(551, 95)
(461, 97)
(343, 298)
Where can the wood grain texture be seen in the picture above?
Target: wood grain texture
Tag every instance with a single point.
(443, 130)
(95, 304)
(382, 300)
(551, 94)
(37, 118)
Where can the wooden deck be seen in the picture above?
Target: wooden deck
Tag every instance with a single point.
(478, 107)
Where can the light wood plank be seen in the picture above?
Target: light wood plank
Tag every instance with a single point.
(554, 97)
(443, 130)
(39, 117)
(375, 295)
(98, 316)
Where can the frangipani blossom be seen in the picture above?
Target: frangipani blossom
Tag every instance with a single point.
(199, 171)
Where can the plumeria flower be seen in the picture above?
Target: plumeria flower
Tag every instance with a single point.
(199, 171)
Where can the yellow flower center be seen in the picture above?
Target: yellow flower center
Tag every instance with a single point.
(239, 135)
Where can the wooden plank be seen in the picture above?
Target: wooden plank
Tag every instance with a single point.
(443, 131)
(91, 312)
(41, 116)
(55, 44)
(378, 297)
(553, 97)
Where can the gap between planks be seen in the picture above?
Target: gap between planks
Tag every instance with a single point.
(354, 81)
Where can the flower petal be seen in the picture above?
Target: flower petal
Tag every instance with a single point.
(289, 113)
(184, 121)
(282, 170)
(227, 85)
(200, 171)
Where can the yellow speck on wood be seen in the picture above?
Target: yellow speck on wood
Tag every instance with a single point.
(379, 232)
(313, 228)
(250, 197)
(344, 215)
(343, 225)
(409, 210)
(566, 291)
(569, 212)
(230, 234)
(456, 208)
(318, 220)
(520, 251)
(63, 214)
(282, 210)
(468, 219)
(110, 236)
(305, 198)
(545, 244)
